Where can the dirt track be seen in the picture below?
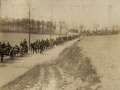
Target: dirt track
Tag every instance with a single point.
(12, 69)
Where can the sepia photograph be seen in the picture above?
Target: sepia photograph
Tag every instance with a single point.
(59, 44)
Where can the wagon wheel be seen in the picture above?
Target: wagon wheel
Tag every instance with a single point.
(11, 54)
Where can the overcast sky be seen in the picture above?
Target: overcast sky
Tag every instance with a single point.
(74, 12)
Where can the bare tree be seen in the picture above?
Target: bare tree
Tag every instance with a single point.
(96, 25)
(116, 27)
(66, 27)
(61, 23)
(81, 28)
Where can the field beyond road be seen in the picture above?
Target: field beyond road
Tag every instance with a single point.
(104, 52)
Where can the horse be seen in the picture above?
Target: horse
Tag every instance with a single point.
(9, 52)
(23, 49)
(35, 47)
(47, 44)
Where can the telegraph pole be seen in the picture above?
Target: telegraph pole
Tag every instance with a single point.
(29, 24)
(0, 9)
(0, 13)
(51, 22)
(81, 26)
(109, 21)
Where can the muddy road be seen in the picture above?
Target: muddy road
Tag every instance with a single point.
(89, 64)
(70, 71)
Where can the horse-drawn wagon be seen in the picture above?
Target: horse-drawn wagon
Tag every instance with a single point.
(12, 52)
(21, 50)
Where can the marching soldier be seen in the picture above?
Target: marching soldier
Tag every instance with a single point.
(8, 45)
(3, 45)
(25, 42)
(0, 44)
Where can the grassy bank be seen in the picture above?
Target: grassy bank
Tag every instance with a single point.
(75, 65)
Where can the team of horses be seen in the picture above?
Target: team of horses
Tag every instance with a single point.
(37, 46)
(12, 52)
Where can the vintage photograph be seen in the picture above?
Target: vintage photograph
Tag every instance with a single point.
(59, 44)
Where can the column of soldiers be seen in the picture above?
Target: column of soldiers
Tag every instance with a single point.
(40, 45)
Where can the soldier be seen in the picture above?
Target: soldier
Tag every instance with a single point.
(0, 44)
(25, 45)
(25, 42)
(3, 45)
(17, 47)
(21, 44)
(39, 42)
(47, 43)
(8, 45)
(42, 46)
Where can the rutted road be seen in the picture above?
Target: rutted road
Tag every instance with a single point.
(10, 70)
(71, 70)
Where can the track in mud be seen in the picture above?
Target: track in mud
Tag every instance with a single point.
(70, 71)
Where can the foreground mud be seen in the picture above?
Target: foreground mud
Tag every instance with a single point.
(70, 71)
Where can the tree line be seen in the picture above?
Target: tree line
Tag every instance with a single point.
(115, 29)
(22, 25)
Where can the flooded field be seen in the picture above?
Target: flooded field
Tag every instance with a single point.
(16, 38)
